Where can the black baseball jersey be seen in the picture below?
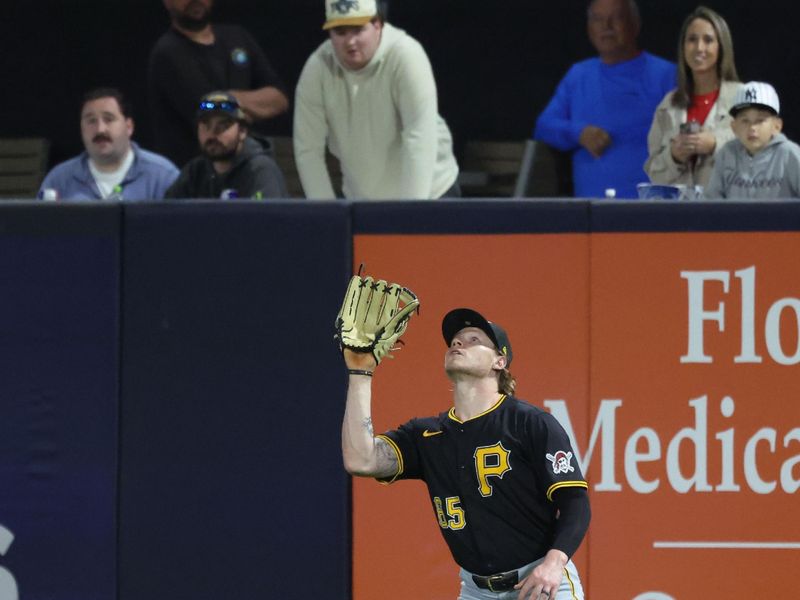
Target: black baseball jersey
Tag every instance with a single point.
(491, 480)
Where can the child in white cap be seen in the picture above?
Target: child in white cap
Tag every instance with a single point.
(761, 163)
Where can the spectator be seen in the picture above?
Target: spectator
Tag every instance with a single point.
(195, 57)
(369, 93)
(693, 122)
(761, 163)
(112, 166)
(232, 164)
(603, 107)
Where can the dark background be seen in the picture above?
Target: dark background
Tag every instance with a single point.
(496, 62)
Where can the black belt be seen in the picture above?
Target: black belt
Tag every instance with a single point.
(502, 582)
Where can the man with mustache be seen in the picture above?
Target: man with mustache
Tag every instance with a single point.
(195, 57)
(112, 167)
(232, 164)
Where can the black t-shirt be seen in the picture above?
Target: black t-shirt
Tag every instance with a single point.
(181, 71)
(491, 480)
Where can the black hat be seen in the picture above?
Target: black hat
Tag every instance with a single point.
(459, 318)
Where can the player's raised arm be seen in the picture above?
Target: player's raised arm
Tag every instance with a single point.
(363, 454)
(373, 316)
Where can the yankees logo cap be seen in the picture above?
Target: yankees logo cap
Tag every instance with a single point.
(756, 94)
(341, 13)
(459, 318)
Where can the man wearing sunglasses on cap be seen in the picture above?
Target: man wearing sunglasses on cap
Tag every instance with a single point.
(506, 488)
(232, 164)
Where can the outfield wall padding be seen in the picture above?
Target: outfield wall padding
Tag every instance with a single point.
(171, 393)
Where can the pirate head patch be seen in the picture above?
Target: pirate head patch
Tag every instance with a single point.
(560, 461)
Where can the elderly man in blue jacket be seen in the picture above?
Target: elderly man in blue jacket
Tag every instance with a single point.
(112, 167)
(603, 107)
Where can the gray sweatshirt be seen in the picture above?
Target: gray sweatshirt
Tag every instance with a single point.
(774, 171)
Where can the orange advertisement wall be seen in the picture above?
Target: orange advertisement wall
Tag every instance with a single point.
(706, 446)
(693, 463)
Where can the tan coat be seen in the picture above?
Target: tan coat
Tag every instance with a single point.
(660, 166)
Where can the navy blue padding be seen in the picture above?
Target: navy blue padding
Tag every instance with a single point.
(59, 315)
(231, 481)
(666, 216)
(471, 216)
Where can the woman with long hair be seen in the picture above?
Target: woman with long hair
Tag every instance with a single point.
(692, 121)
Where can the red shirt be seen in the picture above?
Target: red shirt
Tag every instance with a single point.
(700, 106)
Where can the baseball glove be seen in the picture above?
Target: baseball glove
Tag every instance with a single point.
(374, 315)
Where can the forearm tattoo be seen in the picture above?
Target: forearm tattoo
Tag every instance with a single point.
(367, 423)
(387, 459)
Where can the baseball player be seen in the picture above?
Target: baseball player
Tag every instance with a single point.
(504, 483)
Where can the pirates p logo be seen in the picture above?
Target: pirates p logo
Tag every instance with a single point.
(490, 461)
(560, 461)
(344, 6)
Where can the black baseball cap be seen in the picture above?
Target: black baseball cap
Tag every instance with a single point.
(459, 318)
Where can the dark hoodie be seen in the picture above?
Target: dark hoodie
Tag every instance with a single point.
(253, 174)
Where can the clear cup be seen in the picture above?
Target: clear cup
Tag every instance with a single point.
(693, 193)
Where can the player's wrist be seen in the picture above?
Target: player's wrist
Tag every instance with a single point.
(360, 372)
(359, 360)
(558, 557)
